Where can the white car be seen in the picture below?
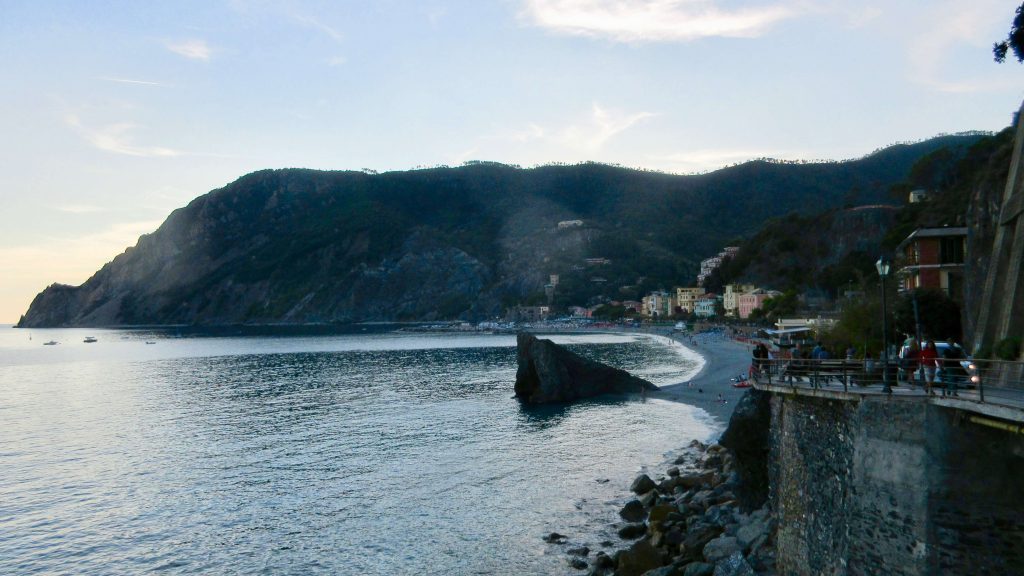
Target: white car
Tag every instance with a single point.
(966, 375)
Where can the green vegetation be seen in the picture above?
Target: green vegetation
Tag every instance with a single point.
(468, 242)
(1014, 41)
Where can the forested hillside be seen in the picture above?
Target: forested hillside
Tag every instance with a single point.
(311, 246)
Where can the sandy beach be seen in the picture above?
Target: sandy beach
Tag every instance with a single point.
(724, 359)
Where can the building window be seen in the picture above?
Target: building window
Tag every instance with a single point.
(951, 250)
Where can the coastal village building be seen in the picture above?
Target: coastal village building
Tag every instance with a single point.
(709, 265)
(658, 304)
(731, 298)
(706, 306)
(529, 313)
(753, 300)
(686, 298)
(933, 258)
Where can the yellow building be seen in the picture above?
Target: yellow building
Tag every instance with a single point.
(686, 298)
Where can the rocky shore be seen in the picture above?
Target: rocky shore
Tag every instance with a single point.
(692, 520)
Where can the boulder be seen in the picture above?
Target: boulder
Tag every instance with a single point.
(633, 511)
(578, 551)
(721, 548)
(578, 563)
(669, 570)
(698, 535)
(603, 561)
(555, 538)
(699, 569)
(631, 531)
(733, 565)
(748, 534)
(549, 373)
(642, 484)
(639, 558)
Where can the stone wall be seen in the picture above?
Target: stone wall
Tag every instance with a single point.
(893, 486)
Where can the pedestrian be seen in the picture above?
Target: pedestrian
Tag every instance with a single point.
(911, 361)
(928, 358)
(952, 370)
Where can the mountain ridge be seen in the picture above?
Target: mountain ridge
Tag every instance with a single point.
(309, 246)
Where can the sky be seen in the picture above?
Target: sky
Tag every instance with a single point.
(113, 114)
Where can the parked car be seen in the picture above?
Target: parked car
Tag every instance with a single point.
(966, 375)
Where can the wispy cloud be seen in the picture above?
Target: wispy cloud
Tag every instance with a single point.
(131, 81)
(945, 26)
(193, 49)
(603, 125)
(315, 24)
(118, 138)
(588, 134)
(653, 20)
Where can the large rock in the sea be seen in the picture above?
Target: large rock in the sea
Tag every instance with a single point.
(549, 373)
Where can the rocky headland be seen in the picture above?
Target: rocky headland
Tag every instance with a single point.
(549, 373)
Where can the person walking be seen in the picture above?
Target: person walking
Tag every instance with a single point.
(928, 358)
(911, 362)
(952, 370)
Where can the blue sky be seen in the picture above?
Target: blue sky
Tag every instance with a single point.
(112, 114)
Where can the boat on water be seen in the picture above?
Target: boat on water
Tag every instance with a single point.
(150, 342)
(51, 343)
(90, 339)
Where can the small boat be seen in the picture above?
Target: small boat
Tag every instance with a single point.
(150, 342)
(743, 384)
(89, 339)
(51, 343)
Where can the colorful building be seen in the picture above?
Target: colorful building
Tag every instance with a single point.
(933, 258)
(686, 298)
(730, 300)
(706, 306)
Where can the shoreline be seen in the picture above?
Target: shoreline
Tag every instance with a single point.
(724, 359)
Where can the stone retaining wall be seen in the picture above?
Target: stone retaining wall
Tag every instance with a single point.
(892, 486)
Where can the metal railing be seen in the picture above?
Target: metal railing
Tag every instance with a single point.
(984, 381)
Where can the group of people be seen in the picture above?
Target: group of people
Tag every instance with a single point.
(923, 363)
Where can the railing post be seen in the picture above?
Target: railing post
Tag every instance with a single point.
(981, 381)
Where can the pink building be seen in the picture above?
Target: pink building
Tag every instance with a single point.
(747, 303)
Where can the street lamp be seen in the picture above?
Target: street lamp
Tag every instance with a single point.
(883, 265)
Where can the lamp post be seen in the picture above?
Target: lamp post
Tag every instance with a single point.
(883, 266)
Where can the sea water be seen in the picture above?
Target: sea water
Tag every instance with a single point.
(374, 452)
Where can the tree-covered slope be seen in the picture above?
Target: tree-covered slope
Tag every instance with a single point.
(314, 246)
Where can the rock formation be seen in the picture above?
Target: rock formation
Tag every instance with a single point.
(549, 373)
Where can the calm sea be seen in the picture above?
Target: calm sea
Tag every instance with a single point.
(371, 452)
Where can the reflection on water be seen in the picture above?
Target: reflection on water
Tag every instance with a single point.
(339, 454)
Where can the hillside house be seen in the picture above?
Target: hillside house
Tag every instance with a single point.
(933, 258)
